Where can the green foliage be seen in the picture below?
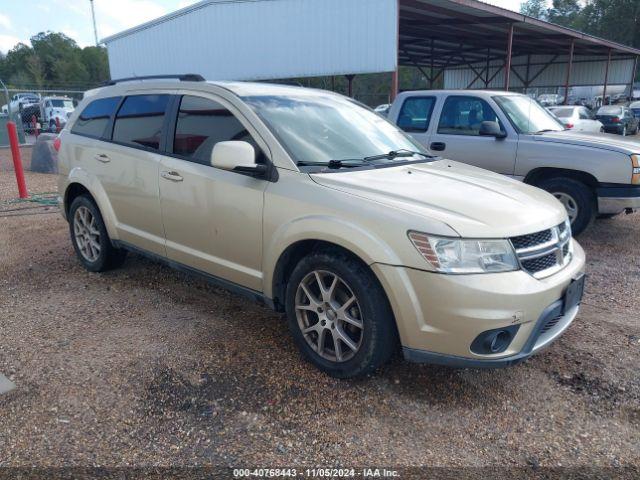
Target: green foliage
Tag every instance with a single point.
(54, 61)
(616, 20)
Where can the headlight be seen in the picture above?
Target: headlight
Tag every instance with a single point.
(454, 255)
(635, 164)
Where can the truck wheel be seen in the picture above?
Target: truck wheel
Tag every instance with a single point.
(90, 239)
(339, 315)
(577, 199)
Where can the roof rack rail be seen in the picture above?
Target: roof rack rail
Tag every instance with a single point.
(185, 77)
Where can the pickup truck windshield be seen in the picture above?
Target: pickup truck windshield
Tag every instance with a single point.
(61, 103)
(527, 115)
(319, 129)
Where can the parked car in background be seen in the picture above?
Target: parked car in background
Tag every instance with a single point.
(618, 119)
(550, 99)
(620, 98)
(577, 118)
(511, 134)
(54, 111)
(382, 109)
(635, 108)
(309, 202)
(22, 100)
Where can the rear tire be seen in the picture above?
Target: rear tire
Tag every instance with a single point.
(577, 198)
(355, 306)
(90, 238)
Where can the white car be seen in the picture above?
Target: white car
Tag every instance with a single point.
(22, 100)
(578, 118)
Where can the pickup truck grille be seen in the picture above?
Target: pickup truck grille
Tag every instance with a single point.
(544, 253)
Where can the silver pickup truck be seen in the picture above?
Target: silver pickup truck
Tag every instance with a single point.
(509, 133)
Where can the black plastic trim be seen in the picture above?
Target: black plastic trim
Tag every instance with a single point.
(613, 190)
(253, 295)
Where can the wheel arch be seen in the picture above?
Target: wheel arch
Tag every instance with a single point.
(538, 175)
(81, 183)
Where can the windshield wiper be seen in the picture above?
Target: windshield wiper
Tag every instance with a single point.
(334, 164)
(546, 130)
(397, 153)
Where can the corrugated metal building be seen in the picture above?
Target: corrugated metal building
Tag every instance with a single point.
(468, 43)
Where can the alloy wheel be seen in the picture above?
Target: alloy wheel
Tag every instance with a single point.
(569, 204)
(86, 234)
(329, 316)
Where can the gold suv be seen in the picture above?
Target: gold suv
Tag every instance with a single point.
(313, 204)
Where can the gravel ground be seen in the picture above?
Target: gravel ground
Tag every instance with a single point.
(146, 366)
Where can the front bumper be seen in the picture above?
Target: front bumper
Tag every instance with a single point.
(439, 316)
(616, 199)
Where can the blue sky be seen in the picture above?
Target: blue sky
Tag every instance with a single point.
(20, 19)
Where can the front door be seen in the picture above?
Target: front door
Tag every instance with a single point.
(457, 135)
(212, 217)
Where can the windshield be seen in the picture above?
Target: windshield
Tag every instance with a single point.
(320, 128)
(58, 103)
(527, 115)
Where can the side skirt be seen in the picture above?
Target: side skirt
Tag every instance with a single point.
(234, 288)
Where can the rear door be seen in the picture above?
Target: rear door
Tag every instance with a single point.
(212, 217)
(457, 135)
(128, 169)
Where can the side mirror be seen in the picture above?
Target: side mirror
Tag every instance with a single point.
(238, 157)
(491, 129)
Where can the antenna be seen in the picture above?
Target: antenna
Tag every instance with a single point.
(93, 16)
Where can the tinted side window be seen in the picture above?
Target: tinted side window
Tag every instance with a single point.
(415, 114)
(201, 124)
(139, 121)
(464, 115)
(95, 117)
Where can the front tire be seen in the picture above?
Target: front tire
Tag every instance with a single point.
(576, 197)
(90, 238)
(339, 315)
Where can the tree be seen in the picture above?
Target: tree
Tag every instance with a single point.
(566, 13)
(534, 8)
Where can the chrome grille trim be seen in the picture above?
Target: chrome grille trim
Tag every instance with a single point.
(559, 245)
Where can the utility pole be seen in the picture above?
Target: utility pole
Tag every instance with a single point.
(93, 16)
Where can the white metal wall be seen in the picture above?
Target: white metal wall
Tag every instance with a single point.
(262, 39)
(589, 73)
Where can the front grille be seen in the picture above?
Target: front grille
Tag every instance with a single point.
(531, 240)
(541, 263)
(543, 253)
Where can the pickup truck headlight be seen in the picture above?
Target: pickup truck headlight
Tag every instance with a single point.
(455, 255)
(635, 164)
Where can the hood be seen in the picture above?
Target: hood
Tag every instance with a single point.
(616, 143)
(474, 202)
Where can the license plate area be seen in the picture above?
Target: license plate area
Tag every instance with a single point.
(573, 295)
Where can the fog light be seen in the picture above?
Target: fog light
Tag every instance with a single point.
(494, 341)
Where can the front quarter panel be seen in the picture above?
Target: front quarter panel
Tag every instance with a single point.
(606, 166)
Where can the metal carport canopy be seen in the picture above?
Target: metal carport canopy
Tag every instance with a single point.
(441, 35)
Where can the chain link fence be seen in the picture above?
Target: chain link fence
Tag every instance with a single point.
(35, 111)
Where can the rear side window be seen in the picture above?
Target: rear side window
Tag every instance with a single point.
(201, 124)
(415, 114)
(139, 121)
(95, 117)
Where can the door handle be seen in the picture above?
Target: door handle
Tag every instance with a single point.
(101, 157)
(173, 176)
(438, 146)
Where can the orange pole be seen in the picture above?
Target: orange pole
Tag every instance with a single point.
(17, 160)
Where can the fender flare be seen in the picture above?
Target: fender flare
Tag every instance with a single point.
(80, 176)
